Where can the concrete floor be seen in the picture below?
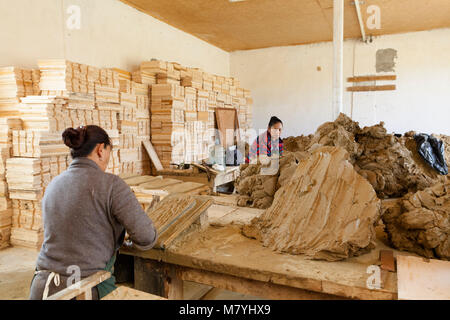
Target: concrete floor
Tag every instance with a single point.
(17, 268)
(16, 272)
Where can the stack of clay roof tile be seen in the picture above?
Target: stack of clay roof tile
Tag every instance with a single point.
(167, 103)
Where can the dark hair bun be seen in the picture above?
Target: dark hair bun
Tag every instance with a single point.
(74, 138)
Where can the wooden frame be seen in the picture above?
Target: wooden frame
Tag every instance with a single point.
(82, 290)
(165, 279)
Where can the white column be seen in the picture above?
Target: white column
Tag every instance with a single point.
(338, 57)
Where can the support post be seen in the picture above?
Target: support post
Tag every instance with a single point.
(157, 278)
(338, 57)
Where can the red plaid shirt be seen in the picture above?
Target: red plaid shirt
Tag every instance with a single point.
(263, 145)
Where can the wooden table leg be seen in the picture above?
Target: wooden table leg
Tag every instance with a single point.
(124, 268)
(157, 278)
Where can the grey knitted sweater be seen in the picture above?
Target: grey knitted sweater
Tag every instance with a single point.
(85, 214)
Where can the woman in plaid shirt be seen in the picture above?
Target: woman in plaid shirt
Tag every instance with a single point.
(267, 144)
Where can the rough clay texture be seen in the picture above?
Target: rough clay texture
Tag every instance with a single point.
(255, 190)
(391, 164)
(326, 210)
(420, 222)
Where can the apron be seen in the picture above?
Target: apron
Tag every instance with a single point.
(108, 285)
(103, 288)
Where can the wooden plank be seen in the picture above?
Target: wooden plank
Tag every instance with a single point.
(219, 215)
(227, 120)
(136, 181)
(228, 200)
(82, 287)
(125, 293)
(184, 187)
(195, 291)
(152, 153)
(423, 279)
(212, 294)
(371, 78)
(371, 88)
(260, 289)
(175, 214)
(158, 184)
(387, 260)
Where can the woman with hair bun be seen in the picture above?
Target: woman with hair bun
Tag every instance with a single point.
(85, 213)
(267, 145)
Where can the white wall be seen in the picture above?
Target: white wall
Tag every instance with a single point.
(112, 34)
(285, 82)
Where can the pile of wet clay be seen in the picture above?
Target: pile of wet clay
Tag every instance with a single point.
(255, 190)
(325, 210)
(420, 222)
(391, 164)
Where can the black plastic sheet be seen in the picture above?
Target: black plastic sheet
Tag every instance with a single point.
(432, 151)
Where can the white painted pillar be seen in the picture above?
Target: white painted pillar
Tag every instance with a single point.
(338, 57)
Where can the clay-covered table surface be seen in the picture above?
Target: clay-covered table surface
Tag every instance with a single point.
(224, 250)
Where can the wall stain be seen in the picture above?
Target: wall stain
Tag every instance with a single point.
(385, 60)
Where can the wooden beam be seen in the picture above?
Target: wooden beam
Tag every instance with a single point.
(152, 153)
(371, 78)
(82, 289)
(124, 293)
(250, 287)
(372, 88)
(157, 278)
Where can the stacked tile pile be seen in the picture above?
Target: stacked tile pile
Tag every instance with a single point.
(203, 93)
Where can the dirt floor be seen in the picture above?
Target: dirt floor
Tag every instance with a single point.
(17, 267)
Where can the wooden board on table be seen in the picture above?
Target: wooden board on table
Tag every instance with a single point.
(152, 153)
(226, 200)
(227, 119)
(125, 176)
(222, 215)
(125, 293)
(185, 187)
(175, 214)
(158, 184)
(423, 279)
(135, 181)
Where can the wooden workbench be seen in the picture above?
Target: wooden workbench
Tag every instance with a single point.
(222, 257)
(213, 178)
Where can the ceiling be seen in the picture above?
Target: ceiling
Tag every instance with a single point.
(253, 24)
